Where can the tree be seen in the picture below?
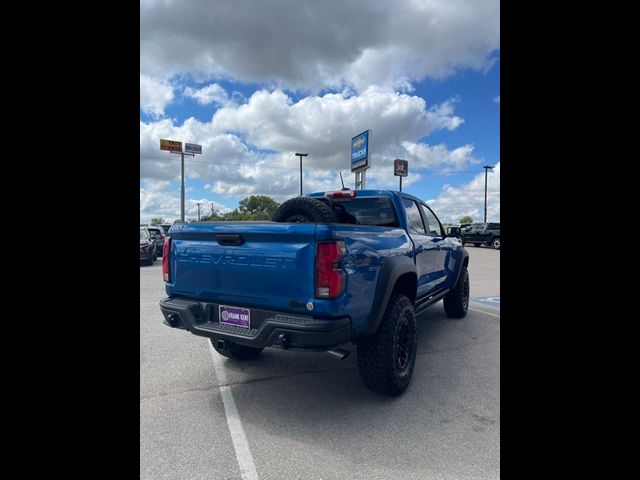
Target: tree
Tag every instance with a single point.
(212, 217)
(258, 207)
(237, 216)
(157, 221)
(466, 219)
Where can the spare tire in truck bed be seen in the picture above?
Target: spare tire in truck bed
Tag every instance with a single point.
(305, 210)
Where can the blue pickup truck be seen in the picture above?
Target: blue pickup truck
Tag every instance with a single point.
(331, 268)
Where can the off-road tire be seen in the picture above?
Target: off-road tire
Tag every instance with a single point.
(456, 302)
(305, 210)
(382, 365)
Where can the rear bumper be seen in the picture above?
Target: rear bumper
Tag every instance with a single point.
(268, 329)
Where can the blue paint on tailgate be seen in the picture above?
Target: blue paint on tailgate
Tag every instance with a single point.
(273, 266)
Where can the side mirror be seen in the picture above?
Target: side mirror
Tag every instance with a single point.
(453, 231)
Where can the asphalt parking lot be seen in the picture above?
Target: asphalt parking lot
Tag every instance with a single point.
(307, 415)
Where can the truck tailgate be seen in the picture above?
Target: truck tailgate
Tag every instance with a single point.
(252, 264)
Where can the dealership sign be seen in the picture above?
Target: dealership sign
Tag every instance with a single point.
(171, 146)
(192, 148)
(400, 168)
(360, 151)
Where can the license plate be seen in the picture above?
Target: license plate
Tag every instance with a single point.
(240, 317)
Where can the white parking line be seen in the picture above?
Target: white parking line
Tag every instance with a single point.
(238, 438)
(482, 311)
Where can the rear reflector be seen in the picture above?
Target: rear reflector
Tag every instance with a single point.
(166, 274)
(330, 278)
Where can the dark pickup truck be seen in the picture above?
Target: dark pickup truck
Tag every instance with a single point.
(482, 234)
(332, 268)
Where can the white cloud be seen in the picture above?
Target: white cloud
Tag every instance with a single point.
(218, 149)
(210, 94)
(421, 155)
(155, 95)
(456, 202)
(249, 148)
(165, 205)
(315, 45)
(323, 125)
(497, 99)
(442, 115)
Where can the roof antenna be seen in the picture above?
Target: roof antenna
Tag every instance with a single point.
(342, 181)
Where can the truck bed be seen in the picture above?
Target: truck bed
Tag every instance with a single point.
(273, 266)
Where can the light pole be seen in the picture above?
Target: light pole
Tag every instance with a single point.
(301, 155)
(486, 169)
(198, 203)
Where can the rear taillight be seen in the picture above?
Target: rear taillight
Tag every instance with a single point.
(166, 273)
(330, 278)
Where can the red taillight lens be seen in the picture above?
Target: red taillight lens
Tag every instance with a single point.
(166, 274)
(341, 194)
(330, 278)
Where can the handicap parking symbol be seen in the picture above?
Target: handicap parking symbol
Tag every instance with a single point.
(493, 301)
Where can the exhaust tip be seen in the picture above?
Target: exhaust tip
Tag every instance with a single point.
(339, 353)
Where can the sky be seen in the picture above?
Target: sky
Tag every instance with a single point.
(253, 82)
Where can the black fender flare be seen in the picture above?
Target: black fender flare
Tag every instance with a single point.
(459, 262)
(392, 269)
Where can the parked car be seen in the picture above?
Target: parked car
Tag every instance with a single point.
(158, 235)
(165, 228)
(148, 248)
(331, 268)
(482, 234)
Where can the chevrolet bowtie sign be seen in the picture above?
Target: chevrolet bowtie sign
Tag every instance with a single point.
(360, 151)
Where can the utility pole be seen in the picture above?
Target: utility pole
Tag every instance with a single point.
(301, 155)
(213, 212)
(182, 187)
(486, 169)
(198, 203)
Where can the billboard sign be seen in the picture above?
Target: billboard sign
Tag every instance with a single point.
(192, 148)
(400, 167)
(360, 151)
(171, 146)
